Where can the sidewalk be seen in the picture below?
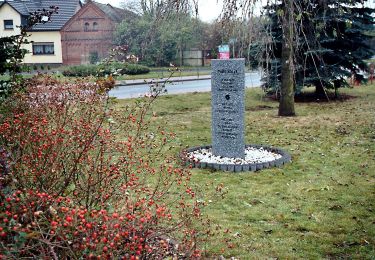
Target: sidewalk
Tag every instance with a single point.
(160, 80)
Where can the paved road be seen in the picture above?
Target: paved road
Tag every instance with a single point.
(178, 87)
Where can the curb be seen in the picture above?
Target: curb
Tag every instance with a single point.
(285, 158)
(163, 80)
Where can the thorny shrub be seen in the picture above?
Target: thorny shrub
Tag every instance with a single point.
(81, 179)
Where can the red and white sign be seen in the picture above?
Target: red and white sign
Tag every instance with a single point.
(224, 55)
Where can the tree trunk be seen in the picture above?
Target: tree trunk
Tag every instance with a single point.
(320, 92)
(181, 56)
(286, 105)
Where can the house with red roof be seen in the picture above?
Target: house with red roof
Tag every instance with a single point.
(88, 35)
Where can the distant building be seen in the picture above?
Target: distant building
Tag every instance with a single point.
(46, 45)
(88, 36)
(196, 57)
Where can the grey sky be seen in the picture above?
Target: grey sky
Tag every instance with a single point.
(208, 9)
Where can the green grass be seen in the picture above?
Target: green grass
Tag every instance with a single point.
(153, 74)
(159, 72)
(322, 205)
(4, 77)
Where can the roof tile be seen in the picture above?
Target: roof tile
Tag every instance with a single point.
(67, 9)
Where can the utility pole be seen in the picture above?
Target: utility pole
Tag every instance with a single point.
(233, 42)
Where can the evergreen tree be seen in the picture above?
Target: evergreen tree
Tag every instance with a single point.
(331, 42)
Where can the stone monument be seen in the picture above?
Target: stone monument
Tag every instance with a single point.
(228, 151)
(228, 108)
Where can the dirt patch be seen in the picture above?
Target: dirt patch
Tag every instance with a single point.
(260, 108)
(310, 97)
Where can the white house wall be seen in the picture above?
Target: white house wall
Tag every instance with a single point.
(44, 37)
(8, 13)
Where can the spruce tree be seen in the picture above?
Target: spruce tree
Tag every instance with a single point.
(332, 41)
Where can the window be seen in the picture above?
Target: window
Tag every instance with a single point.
(95, 26)
(8, 24)
(86, 27)
(43, 48)
(94, 57)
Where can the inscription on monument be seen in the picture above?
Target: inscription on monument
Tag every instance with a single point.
(228, 106)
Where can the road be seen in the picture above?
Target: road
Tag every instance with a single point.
(132, 91)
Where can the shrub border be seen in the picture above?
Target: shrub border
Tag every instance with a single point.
(285, 158)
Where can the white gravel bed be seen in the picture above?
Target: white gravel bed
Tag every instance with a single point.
(252, 155)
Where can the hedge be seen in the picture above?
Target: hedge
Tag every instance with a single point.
(101, 70)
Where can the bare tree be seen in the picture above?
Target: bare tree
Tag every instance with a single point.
(161, 8)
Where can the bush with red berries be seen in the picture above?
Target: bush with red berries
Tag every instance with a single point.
(82, 178)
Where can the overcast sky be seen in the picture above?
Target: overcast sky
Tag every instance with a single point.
(208, 9)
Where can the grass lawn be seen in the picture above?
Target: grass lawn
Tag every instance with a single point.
(322, 205)
(165, 74)
(159, 72)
